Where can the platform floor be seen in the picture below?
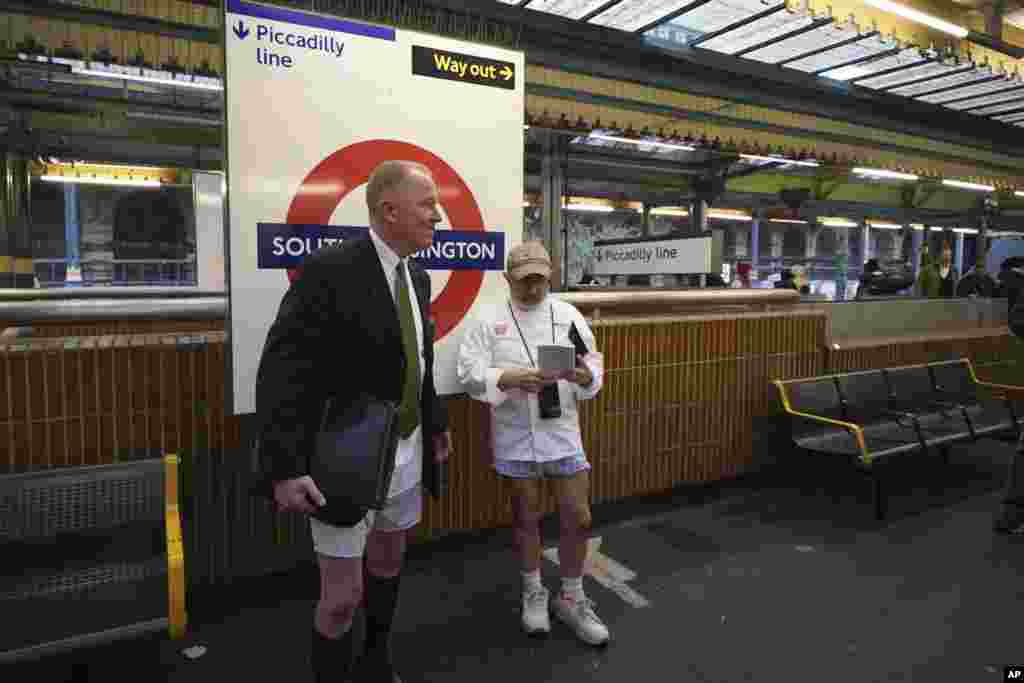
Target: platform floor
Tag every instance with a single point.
(780, 577)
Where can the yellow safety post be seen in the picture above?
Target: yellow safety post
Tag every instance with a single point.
(177, 616)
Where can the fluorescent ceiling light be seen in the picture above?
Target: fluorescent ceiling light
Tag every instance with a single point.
(128, 168)
(757, 157)
(597, 208)
(881, 173)
(668, 211)
(838, 223)
(642, 143)
(786, 220)
(173, 82)
(718, 215)
(968, 186)
(919, 17)
(966, 231)
(1018, 193)
(113, 182)
(885, 226)
(175, 118)
(936, 228)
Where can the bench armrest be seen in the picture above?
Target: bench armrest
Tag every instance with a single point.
(856, 430)
(1007, 391)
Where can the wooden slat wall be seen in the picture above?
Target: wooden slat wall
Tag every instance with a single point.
(679, 404)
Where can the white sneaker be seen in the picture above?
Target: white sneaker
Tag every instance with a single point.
(580, 616)
(535, 611)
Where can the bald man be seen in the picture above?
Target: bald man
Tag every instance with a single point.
(356, 323)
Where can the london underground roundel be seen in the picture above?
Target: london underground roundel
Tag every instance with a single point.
(348, 168)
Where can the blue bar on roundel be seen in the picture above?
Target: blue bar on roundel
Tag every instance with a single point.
(285, 245)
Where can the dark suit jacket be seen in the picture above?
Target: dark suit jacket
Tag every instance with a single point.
(337, 336)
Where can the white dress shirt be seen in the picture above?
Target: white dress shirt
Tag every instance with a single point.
(492, 343)
(409, 454)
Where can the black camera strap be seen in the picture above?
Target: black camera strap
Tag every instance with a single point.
(521, 336)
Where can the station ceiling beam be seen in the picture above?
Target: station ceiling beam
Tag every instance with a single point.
(51, 9)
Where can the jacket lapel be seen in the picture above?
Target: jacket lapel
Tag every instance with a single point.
(379, 293)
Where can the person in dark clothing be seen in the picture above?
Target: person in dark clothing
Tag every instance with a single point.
(355, 323)
(787, 281)
(1011, 518)
(948, 274)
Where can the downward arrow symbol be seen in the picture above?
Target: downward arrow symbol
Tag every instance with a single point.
(240, 30)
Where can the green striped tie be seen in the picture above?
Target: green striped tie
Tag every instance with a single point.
(409, 409)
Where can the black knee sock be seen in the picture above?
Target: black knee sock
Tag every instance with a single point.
(331, 659)
(380, 599)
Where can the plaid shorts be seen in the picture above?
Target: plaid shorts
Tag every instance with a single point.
(563, 468)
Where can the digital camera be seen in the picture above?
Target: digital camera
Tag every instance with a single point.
(548, 402)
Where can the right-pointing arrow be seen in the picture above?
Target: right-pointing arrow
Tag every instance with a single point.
(507, 72)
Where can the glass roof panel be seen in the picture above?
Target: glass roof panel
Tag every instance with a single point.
(814, 39)
(1019, 116)
(903, 58)
(906, 75)
(987, 99)
(759, 31)
(996, 108)
(968, 91)
(632, 15)
(573, 9)
(945, 82)
(707, 18)
(847, 53)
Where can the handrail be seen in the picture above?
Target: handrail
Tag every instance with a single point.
(193, 308)
(1009, 388)
(858, 431)
(177, 616)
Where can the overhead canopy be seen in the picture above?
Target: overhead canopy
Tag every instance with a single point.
(819, 44)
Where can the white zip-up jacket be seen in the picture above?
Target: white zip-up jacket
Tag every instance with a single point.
(492, 344)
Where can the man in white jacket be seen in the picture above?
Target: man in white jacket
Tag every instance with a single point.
(498, 364)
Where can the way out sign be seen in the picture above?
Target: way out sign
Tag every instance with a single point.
(454, 66)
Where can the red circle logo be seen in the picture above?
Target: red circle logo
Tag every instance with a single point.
(336, 176)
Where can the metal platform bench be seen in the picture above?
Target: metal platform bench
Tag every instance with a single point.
(91, 555)
(873, 416)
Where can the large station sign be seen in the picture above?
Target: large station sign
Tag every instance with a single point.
(313, 105)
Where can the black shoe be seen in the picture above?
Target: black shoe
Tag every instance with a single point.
(375, 667)
(1008, 524)
(1011, 518)
(331, 660)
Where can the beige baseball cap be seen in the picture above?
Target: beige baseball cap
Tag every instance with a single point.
(528, 258)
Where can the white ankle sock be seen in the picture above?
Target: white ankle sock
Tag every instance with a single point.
(572, 587)
(531, 580)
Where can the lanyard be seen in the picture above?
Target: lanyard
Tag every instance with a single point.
(525, 345)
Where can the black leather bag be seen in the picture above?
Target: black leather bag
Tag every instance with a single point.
(354, 456)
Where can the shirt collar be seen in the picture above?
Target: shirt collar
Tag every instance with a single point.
(389, 260)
